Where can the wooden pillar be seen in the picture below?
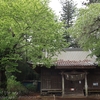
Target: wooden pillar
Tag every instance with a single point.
(86, 85)
(62, 84)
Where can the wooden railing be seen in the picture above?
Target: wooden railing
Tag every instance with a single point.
(93, 91)
(51, 91)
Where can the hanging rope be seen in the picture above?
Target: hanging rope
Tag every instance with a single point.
(74, 77)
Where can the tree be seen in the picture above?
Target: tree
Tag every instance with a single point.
(90, 2)
(87, 29)
(28, 28)
(68, 16)
(93, 1)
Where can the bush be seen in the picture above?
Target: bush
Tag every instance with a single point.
(15, 86)
(31, 87)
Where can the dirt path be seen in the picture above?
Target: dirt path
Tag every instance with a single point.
(56, 98)
(36, 96)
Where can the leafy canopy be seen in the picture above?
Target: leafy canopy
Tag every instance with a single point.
(87, 28)
(28, 28)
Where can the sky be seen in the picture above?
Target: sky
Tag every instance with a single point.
(56, 6)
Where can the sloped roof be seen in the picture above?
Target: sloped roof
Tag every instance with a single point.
(76, 58)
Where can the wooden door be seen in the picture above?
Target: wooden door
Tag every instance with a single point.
(74, 87)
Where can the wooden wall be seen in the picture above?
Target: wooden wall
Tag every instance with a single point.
(50, 79)
(93, 78)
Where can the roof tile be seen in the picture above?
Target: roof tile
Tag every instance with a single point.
(75, 64)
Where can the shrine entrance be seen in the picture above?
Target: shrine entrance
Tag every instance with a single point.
(74, 87)
(74, 82)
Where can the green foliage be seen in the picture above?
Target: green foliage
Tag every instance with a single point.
(27, 72)
(69, 11)
(86, 28)
(31, 87)
(68, 15)
(28, 28)
(91, 1)
(11, 96)
(15, 86)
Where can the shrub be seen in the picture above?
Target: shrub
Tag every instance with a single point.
(31, 87)
(15, 87)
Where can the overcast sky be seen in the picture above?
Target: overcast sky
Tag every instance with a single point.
(56, 6)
